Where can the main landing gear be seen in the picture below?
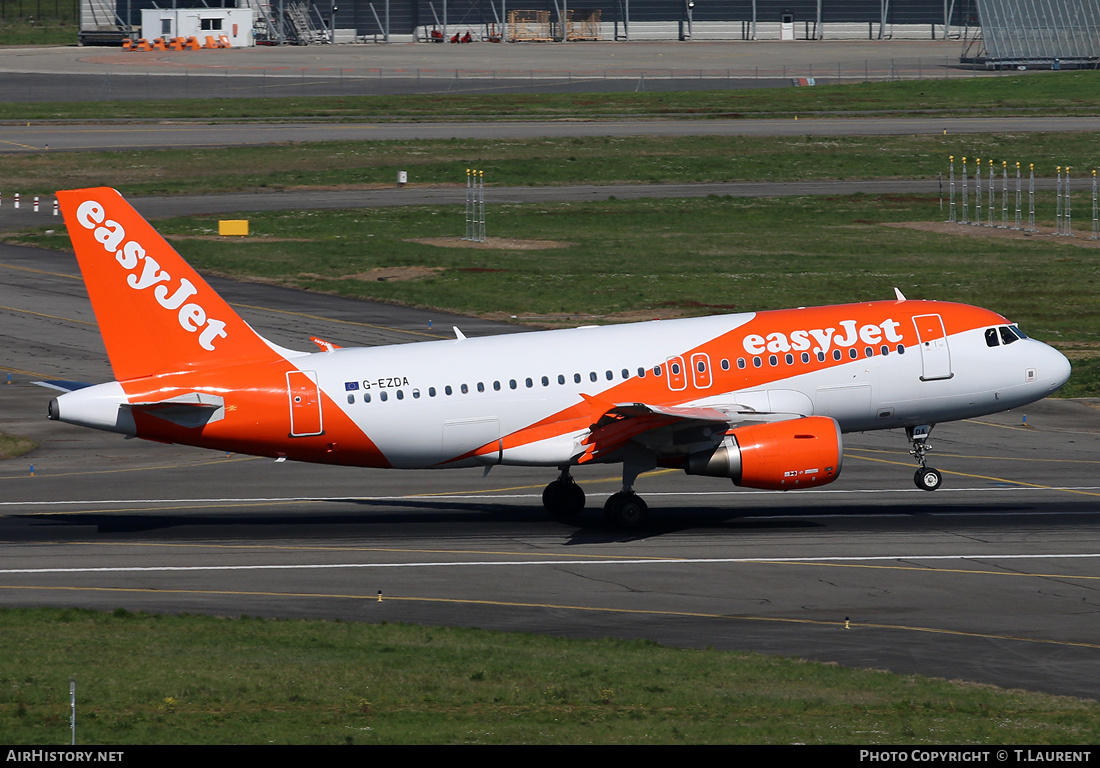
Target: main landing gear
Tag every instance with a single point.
(926, 478)
(563, 498)
(626, 510)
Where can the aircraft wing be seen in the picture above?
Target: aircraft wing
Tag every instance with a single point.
(666, 430)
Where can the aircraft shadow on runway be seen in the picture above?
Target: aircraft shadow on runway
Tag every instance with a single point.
(445, 518)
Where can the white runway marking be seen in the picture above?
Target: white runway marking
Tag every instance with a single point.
(481, 563)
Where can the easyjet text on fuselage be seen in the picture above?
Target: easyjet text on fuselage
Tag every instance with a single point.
(822, 339)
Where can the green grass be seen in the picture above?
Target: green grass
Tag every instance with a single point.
(48, 32)
(143, 679)
(544, 162)
(12, 446)
(1053, 93)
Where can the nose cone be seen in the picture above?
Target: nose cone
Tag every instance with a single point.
(1055, 368)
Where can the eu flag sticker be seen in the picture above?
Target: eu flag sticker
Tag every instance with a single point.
(351, 386)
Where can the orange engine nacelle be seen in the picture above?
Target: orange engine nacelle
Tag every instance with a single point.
(778, 456)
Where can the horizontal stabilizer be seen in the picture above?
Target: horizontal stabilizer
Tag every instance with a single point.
(192, 410)
(61, 385)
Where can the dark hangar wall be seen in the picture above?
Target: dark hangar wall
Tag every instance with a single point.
(406, 15)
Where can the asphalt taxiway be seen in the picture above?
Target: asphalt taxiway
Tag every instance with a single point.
(993, 578)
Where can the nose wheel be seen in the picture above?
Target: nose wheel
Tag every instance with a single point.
(926, 478)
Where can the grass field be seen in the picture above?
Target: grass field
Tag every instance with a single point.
(209, 680)
(547, 162)
(13, 445)
(49, 32)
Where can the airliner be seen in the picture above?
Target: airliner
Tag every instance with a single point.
(761, 398)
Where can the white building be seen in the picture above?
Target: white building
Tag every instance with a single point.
(200, 23)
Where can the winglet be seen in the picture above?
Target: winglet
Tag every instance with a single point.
(326, 346)
(155, 313)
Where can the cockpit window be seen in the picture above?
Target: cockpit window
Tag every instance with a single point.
(991, 339)
(1016, 330)
(1007, 336)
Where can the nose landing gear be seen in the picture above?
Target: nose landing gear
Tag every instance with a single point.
(925, 478)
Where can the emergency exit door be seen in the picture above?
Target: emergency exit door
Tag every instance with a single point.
(934, 353)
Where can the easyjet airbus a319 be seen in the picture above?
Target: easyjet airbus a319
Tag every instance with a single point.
(761, 398)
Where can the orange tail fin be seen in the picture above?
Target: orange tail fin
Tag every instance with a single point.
(155, 313)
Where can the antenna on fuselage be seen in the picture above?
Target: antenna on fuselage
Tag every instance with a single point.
(898, 293)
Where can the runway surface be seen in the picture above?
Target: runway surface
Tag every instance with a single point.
(992, 578)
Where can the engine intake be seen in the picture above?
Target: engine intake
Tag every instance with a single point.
(778, 456)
